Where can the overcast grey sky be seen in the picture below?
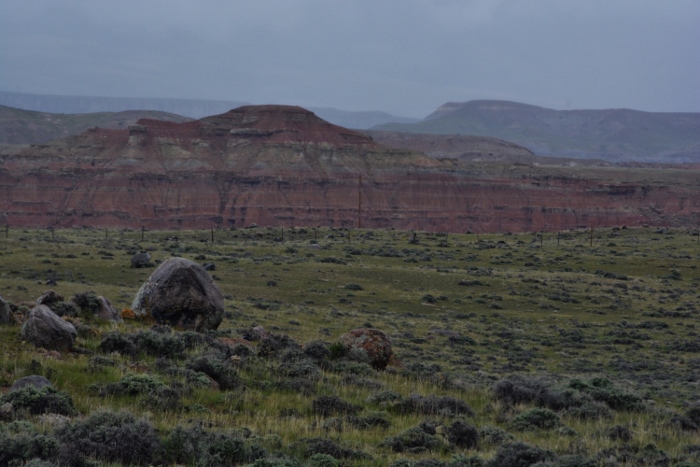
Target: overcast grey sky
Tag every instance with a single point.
(406, 57)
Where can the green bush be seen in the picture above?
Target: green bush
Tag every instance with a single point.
(535, 418)
(433, 405)
(195, 446)
(119, 343)
(307, 447)
(463, 435)
(20, 442)
(219, 369)
(45, 400)
(109, 437)
(130, 385)
(325, 406)
(519, 454)
(415, 440)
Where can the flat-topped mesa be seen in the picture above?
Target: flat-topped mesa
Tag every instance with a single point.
(283, 124)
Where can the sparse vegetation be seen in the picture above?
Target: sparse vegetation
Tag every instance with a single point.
(585, 358)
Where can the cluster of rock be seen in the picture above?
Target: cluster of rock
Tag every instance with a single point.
(179, 293)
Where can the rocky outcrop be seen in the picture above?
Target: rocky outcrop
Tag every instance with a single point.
(181, 293)
(46, 329)
(283, 166)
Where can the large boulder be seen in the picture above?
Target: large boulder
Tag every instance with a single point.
(5, 313)
(46, 329)
(374, 342)
(180, 293)
(37, 382)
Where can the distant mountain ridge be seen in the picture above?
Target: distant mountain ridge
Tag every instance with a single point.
(18, 126)
(192, 108)
(611, 134)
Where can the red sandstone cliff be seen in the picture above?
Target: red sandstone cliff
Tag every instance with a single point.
(280, 165)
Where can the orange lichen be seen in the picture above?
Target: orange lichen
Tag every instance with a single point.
(128, 313)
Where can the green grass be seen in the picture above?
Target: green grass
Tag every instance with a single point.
(623, 308)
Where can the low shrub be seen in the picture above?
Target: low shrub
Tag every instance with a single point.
(273, 344)
(619, 433)
(195, 446)
(307, 447)
(160, 343)
(384, 397)
(317, 350)
(20, 442)
(129, 385)
(519, 391)
(519, 454)
(117, 342)
(415, 440)
(537, 418)
(219, 369)
(492, 435)
(433, 405)
(370, 420)
(463, 435)
(109, 437)
(33, 401)
(325, 406)
(87, 302)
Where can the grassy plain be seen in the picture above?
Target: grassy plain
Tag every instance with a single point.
(464, 313)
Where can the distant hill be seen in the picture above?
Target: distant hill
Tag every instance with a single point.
(358, 120)
(611, 134)
(192, 108)
(19, 126)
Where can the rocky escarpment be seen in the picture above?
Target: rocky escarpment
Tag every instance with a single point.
(283, 166)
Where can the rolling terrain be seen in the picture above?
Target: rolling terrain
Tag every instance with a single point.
(21, 127)
(612, 134)
(571, 349)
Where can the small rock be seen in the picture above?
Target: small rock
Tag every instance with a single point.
(5, 313)
(51, 282)
(49, 298)
(141, 260)
(209, 266)
(7, 412)
(107, 311)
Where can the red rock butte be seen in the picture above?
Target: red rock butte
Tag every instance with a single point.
(284, 166)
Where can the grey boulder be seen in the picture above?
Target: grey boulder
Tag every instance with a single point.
(141, 260)
(180, 293)
(106, 310)
(49, 298)
(46, 329)
(5, 313)
(32, 381)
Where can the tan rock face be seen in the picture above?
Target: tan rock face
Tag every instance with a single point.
(283, 166)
